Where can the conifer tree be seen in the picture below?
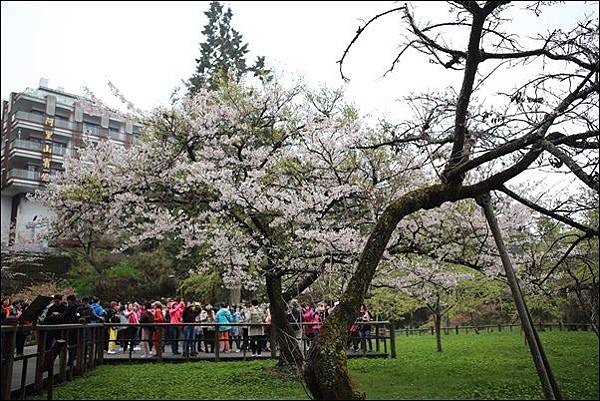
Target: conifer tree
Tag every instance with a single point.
(223, 52)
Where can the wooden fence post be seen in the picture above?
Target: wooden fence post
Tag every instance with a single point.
(102, 332)
(273, 342)
(23, 378)
(8, 356)
(159, 336)
(217, 345)
(63, 364)
(41, 350)
(49, 364)
(392, 341)
(79, 355)
(91, 348)
(456, 327)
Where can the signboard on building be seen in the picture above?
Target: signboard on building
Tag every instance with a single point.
(47, 149)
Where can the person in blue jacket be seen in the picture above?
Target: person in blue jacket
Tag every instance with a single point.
(223, 317)
(98, 310)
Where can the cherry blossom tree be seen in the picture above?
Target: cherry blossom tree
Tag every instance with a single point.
(80, 199)
(473, 149)
(561, 264)
(269, 182)
(431, 282)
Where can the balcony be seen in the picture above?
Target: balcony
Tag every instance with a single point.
(68, 125)
(23, 115)
(24, 174)
(91, 129)
(25, 144)
(37, 146)
(39, 119)
(30, 175)
(61, 150)
(118, 136)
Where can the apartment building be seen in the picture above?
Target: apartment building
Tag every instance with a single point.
(39, 128)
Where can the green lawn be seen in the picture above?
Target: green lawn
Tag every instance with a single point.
(485, 366)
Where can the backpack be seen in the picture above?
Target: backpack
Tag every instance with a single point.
(84, 312)
(147, 317)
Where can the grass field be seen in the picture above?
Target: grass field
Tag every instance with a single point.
(485, 366)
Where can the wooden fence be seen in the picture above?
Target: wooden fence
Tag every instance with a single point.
(560, 326)
(86, 344)
(84, 351)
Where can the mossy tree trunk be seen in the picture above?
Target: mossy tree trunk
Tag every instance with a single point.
(325, 371)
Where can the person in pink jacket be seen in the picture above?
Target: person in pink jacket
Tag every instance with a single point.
(312, 328)
(176, 315)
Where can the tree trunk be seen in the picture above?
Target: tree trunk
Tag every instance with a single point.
(594, 301)
(289, 350)
(437, 319)
(235, 296)
(325, 371)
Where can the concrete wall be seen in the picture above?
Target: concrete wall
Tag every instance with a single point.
(28, 228)
(5, 216)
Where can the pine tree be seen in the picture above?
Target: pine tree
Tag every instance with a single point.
(223, 52)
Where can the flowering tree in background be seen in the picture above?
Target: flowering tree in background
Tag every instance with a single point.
(561, 264)
(431, 282)
(80, 199)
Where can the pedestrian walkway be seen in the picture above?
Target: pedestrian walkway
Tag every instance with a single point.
(136, 357)
(168, 356)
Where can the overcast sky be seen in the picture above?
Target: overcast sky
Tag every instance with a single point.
(147, 49)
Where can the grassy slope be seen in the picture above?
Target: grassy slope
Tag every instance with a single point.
(486, 366)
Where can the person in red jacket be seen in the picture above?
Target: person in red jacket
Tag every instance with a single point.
(176, 314)
(311, 330)
(159, 317)
(5, 308)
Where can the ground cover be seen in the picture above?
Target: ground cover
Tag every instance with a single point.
(484, 366)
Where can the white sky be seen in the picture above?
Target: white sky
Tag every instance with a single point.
(146, 49)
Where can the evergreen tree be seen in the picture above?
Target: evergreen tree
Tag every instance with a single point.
(223, 51)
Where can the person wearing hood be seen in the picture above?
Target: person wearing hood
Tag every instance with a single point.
(222, 318)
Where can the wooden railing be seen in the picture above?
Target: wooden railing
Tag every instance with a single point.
(86, 345)
(380, 335)
(84, 351)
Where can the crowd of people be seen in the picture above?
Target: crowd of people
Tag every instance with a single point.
(234, 327)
